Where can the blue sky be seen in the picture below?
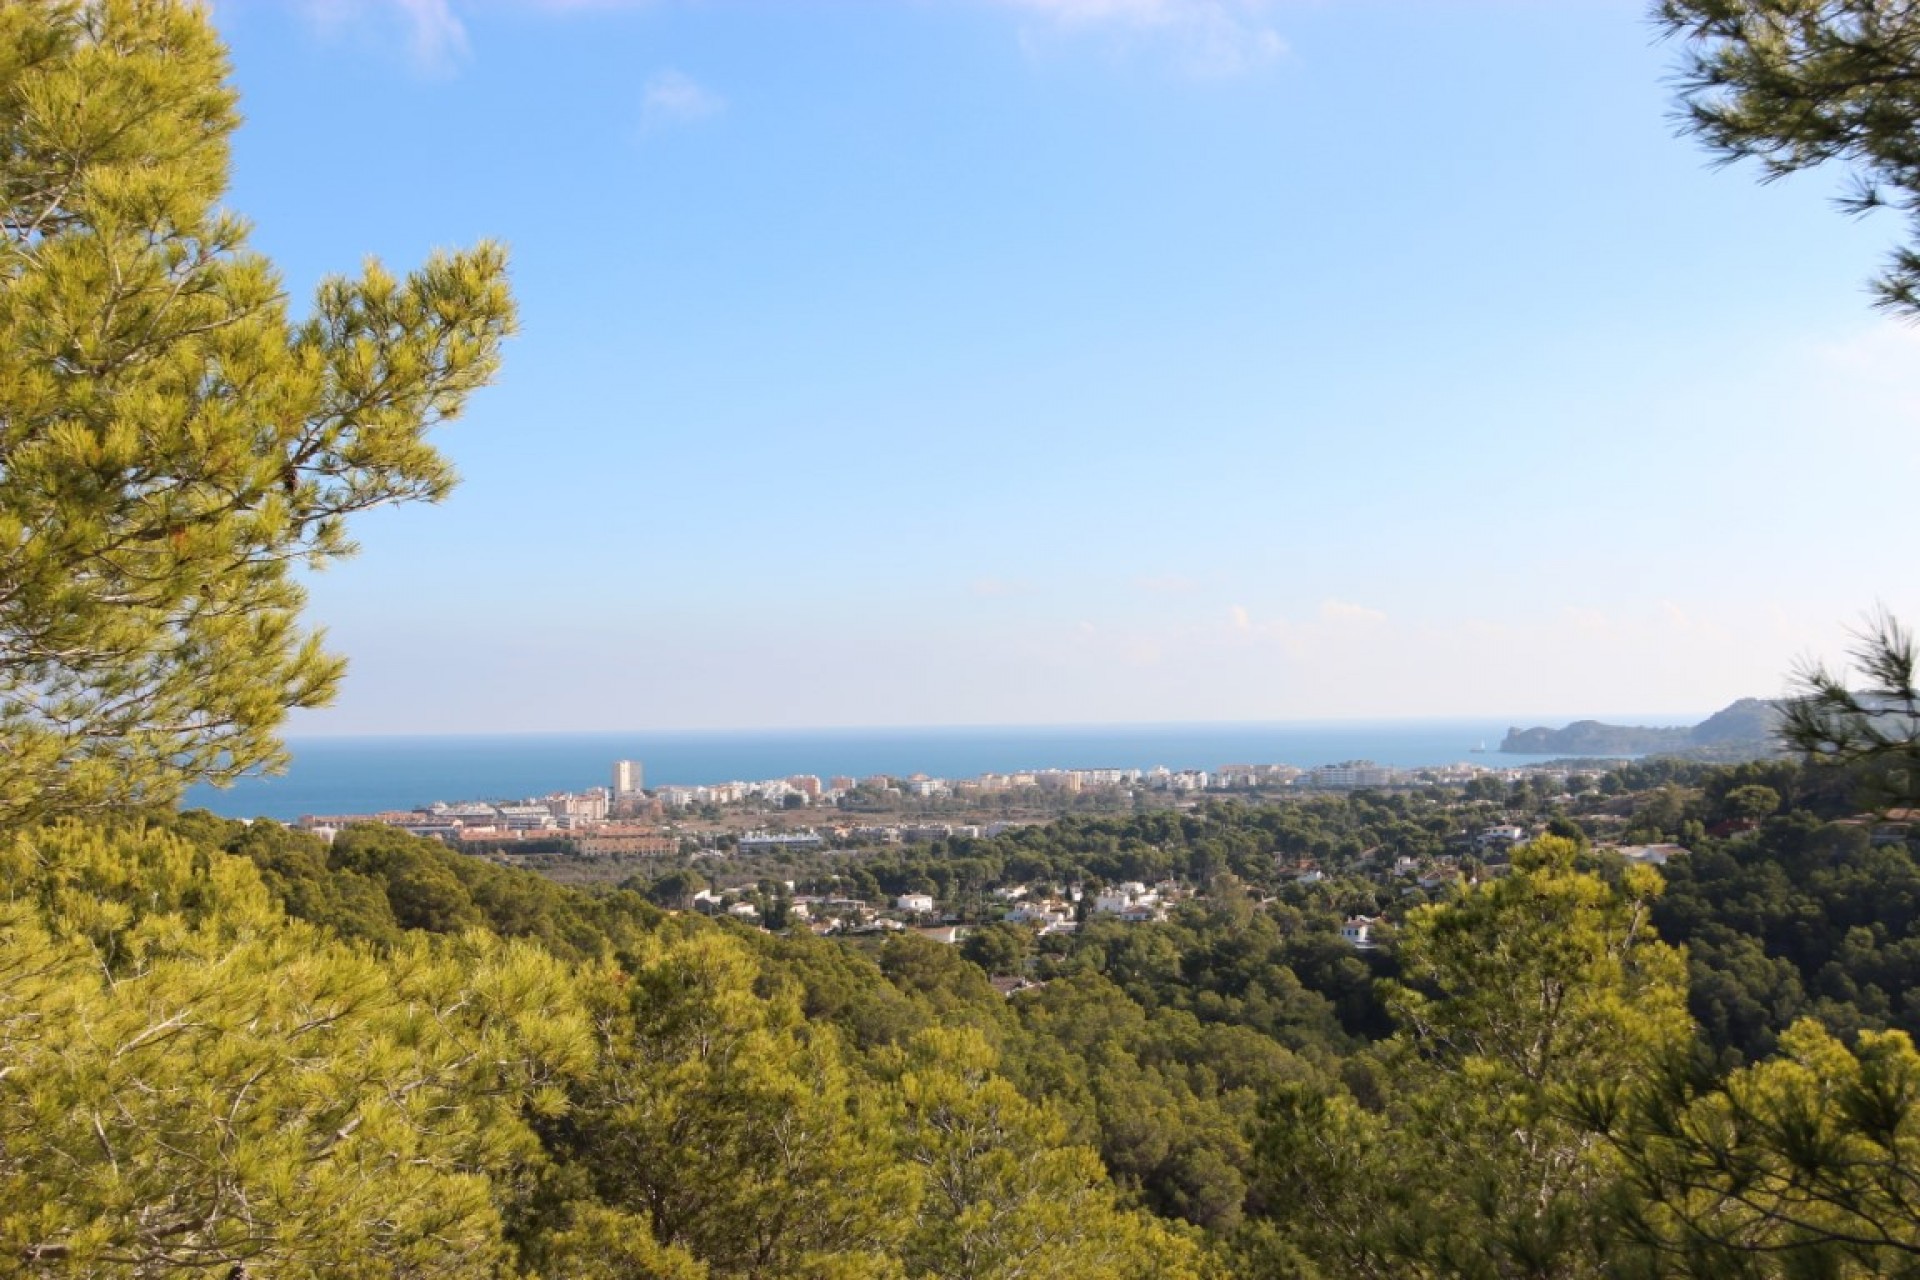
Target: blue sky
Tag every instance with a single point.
(1042, 361)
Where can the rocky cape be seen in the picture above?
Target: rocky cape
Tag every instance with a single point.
(1744, 730)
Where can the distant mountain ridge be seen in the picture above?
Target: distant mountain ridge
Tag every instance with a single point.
(1743, 729)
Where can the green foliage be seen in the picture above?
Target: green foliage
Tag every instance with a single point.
(1253, 973)
(1873, 732)
(1544, 971)
(675, 890)
(194, 1083)
(999, 948)
(1517, 994)
(374, 883)
(725, 1126)
(1805, 1165)
(1169, 1102)
(1002, 1193)
(617, 1092)
(172, 444)
(939, 977)
(844, 986)
(1796, 918)
(1750, 803)
(1794, 84)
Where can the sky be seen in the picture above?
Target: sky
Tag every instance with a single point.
(1086, 361)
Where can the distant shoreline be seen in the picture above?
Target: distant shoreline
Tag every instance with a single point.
(1745, 728)
(339, 774)
(1501, 725)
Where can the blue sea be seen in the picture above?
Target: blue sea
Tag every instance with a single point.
(335, 775)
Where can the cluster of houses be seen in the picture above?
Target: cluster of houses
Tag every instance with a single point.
(1491, 850)
(865, 834)
(1131, 901)
(1049, 912)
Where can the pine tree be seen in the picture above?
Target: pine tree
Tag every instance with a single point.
(172, 443)
(1794, 84)
(1806, 1164)
(1004, 1195)
(1515, 998)
(193, 1084)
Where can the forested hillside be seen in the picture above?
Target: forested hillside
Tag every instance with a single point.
(231, 1044)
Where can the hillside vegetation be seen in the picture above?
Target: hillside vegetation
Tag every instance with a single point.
(232, 1045)
(1746, 729)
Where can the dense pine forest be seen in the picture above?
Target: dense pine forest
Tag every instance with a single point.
(232, 1045)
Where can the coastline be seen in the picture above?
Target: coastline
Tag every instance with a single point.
(358, 774)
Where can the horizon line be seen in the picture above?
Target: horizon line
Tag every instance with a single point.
(1638, 720)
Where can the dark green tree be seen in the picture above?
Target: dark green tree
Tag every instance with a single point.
(675, 890)
(999, 948)
(1794, 84)
(1807, 1164)
(1874, 727)
(1517, 994)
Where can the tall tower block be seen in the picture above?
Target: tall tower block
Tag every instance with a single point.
(627, 778)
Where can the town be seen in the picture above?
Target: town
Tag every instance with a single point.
(626, 818)
(769, 853)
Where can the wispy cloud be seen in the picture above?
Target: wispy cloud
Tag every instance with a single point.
(435, 33)
(1334, 626)
(1877, 368)
(1347, 611)
(1204, 37)
(673, 97)
(576, 6)
(1209, 38)
(1591, 621)
(1165, 584)
(990, 588)
(431, 33)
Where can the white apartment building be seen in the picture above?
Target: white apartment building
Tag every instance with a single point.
(579, 806)
(1358, 773)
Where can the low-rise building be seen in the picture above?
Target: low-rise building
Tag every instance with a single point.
(764, 841)
(620, 841)
(1351, 774)
(1358, 932)
(1652, 855)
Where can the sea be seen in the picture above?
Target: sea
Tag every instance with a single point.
(342, 775)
